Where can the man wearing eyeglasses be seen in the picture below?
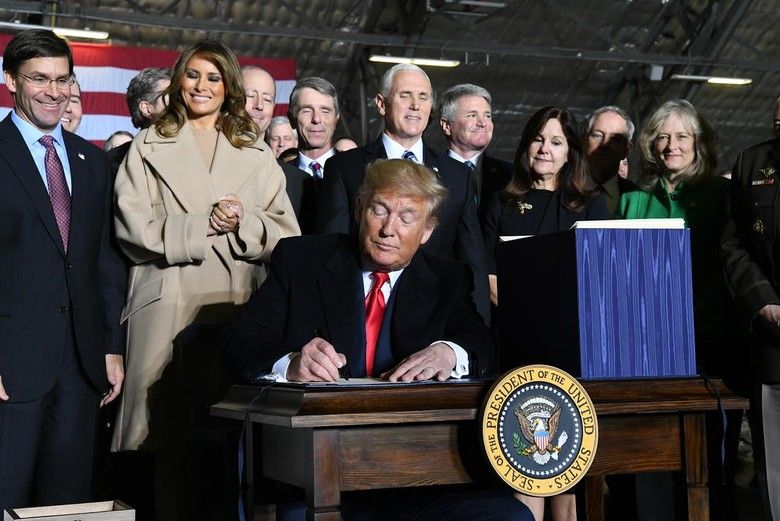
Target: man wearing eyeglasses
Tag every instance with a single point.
(60, 341)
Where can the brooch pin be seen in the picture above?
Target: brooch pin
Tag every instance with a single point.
(523, 207)
(767, 172)
(758, 226)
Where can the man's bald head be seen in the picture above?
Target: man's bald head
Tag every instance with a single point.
(260, 92)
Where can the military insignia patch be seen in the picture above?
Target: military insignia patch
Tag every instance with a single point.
(539, 430)
(767, 172)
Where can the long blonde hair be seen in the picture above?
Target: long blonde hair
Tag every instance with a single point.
(233, 121)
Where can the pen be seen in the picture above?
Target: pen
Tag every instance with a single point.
(343, 371)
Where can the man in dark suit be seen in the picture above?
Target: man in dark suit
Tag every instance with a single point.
(466, 119)
(320, 283)
(379, 305)
(313, 114)
(752, 264)
(60, 340)
(608, 140)
(405, 101)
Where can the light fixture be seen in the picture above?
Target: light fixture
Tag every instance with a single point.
(720, 80)
(59, 31)
(431, 62)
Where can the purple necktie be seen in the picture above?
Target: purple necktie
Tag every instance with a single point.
(58, 189)
(316, 168)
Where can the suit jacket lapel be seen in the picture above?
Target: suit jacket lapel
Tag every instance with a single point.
(430, 158)
(416, 296)
(178, 162)
(375, 150)
(15, 151)
(341, 294)
(80, 206)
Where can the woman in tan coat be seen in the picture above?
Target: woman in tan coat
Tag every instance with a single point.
(200, 203)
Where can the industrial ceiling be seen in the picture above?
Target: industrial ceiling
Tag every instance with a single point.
(528, 53)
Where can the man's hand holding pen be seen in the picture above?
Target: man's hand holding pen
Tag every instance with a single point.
(317, 361)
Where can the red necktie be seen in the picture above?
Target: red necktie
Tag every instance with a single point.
(375, 310)
(58, 188)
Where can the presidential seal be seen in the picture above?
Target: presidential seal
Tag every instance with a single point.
(539, 430)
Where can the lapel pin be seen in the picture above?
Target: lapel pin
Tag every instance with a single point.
(435, 169)
(758, 226)
(523, 207)
(81, 156)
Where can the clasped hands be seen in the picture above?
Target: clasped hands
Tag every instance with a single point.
(226, 215)
(318, 361)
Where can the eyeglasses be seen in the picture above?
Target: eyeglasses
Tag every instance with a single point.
(42, 82)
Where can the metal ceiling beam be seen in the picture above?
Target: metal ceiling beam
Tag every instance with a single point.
(390, 41)
(733, 18)
(632, 71)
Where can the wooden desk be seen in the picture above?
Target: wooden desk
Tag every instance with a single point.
(328, 440)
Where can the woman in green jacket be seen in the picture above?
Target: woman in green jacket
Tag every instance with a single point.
(679, 179)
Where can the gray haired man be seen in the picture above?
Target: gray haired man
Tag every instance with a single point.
(466, 119)
(607, 142)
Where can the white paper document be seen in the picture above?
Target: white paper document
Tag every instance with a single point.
(634, 224)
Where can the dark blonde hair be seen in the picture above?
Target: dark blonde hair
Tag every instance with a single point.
(573, 179)
(706, 159)
(233, 120)
(405, 179)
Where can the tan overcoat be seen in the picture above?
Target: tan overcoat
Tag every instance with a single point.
(164, 196)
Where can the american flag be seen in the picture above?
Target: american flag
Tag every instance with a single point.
(105, 70)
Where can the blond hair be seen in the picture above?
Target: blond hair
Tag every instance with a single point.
(404, 179)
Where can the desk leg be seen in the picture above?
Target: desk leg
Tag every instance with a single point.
(695, 442)
(594, 498)
(323, 478)
(249, 471)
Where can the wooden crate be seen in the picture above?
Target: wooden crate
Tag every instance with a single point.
(100, 511)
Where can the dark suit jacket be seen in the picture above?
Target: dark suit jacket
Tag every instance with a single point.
(44, 293)
(314, 282)
(750, 241)
(494, 175)
(115, 157)
(458, 234)
(303, 191)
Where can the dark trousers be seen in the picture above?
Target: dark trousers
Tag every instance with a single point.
(466, 503)
(46, 445)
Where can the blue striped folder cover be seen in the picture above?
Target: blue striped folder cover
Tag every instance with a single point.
(635, 303)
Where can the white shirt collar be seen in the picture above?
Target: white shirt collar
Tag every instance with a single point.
(304, 161)
(396, 151)
(387, 288)
(454, 155)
